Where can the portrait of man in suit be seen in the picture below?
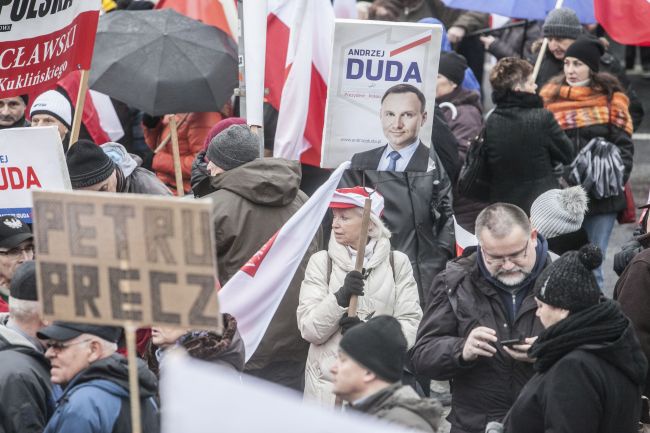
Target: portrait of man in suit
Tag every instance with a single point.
(402, 115)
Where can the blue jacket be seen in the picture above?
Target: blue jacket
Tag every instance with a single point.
(97, 400)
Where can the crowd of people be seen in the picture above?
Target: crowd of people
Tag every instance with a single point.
(513, 333)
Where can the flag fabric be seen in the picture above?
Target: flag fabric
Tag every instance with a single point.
(626, 21)
(254, 293)
(464, 238)
(530, 9)
(345, 9)
(219, 13)
(298, 52)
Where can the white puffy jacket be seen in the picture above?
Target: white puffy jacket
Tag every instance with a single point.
(319, 313)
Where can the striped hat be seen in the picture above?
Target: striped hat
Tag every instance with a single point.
(346, 198)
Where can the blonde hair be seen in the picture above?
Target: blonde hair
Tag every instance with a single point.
(376, 229)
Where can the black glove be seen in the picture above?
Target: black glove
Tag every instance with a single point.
(348, 322)
(352, 285)
(150, 121)
(627, 253)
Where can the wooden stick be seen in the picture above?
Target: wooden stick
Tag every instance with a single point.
(79, 107)
(134, 388)
(542, 50)
(177, 157)
(169, 136)
(361, 251)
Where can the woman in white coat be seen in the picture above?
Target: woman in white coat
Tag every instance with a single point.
(387, 287)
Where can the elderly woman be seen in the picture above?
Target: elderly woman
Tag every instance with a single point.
(590, 369)
(386, 287)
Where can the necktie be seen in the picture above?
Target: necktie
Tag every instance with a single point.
(394, 156)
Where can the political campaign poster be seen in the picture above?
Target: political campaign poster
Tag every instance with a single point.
(41, 41)
(30, 159)
(381, 95)
(115, 258)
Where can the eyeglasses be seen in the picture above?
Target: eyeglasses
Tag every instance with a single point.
(58, 346)
(18, 251)
(501, 260)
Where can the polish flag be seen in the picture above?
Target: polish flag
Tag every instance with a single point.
(254, 293)
(464, 238)
(298, 51)
(626, 21)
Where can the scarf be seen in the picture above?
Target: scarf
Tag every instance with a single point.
(600, 324)
(578, 107)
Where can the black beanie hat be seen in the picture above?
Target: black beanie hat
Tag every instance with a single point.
(452, 66)
(88, 164)
(588, 50)
(379, 345)
(23, 283)
(569, 282)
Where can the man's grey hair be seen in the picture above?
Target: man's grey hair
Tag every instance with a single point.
(24, 311)
(500, 218)
(108, 347)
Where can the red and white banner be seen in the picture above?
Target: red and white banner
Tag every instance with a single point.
(42, 41)
(464, 238)
(298, 51)
(626, 21)
(254, 293)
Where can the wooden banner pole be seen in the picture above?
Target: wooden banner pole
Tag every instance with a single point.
(361, 251)
(79, 107)
(134, 388)
(177, 156)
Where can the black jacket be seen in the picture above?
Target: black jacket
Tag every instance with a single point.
(590, 373)
(25, 388)
(523, 143)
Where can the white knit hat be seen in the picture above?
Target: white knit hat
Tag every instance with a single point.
(54, 104)
(559, 211)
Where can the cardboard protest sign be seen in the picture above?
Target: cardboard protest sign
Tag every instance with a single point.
(42, 41)
(112, 258)
(30, 159)
(371, 62)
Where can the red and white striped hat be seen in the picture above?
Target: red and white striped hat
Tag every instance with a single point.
(346, 198)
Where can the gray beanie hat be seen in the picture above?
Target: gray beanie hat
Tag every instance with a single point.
(233, 147)
(559, 211)
(562, 23)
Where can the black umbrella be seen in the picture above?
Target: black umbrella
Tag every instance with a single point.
(162, 62)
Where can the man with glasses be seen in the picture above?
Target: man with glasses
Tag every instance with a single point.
(16, 247)
(480, 319)
(95, 381)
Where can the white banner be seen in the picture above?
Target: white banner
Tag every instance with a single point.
(30, 159)
(368, 59)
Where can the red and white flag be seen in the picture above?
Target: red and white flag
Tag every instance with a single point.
(254, 293)
(626, 21)
(298, 51)
(464, 238)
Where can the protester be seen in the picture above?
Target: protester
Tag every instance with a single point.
(587, 360)
(563, 28)
(25, 388)
(110, 168)
(639, 242)
(252, 199)
(589, 104)
(557, 214)
(386, 286)
(52, 108)
(16, 247)
(481, 299)
(523, 142)
(367, 375)
(12, 112)
(226, 350)
(513, 41)
(192, 129)
(95, 381)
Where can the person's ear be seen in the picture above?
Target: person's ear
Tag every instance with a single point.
(533, 237)
(424, 118)
(96, 351)
(369, 376)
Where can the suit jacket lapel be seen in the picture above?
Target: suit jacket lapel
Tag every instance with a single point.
(420, 159)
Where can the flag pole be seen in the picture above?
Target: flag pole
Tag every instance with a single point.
(134, 388)
(180, 191)
(542, 50)
(79, 107)
(361, 252)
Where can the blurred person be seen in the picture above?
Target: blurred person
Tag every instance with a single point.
(639, 242)
(12, 112)
(513, 41)
(52, 108)
(587, 104)
(16, 247)
(386, 287)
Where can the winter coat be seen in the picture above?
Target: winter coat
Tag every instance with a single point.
(632, 291)
(388, 290)
(192, 129)
(399, 404)
(511, 42)
(552, 67)
(418, 210)
(250, 204)
(133, 178)
(464, 115)
(26, 401)
(523, 143)
(97, 400)
(461, 299)
(584, 383)
(470, 21)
